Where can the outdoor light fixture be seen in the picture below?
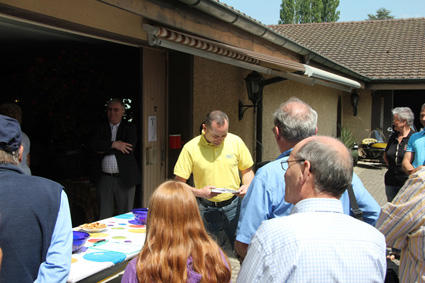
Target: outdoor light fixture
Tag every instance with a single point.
(354, 102)
(242, 108)
(254, 87)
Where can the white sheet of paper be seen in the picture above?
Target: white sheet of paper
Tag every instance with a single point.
(223, 190)
(152, 129)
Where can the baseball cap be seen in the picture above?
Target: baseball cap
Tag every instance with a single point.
(10, 134)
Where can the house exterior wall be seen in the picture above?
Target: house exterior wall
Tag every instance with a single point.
(359, 125)
(323, 100)
(220, 86)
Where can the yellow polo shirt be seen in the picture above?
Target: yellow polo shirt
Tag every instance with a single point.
(212, 165)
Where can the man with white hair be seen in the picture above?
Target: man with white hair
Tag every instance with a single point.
(317, 242)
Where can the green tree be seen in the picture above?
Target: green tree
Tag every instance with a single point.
(329, 12)
(381, 14)
(308, 11)
(287, 12)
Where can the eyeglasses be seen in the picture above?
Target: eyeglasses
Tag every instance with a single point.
(284, 168)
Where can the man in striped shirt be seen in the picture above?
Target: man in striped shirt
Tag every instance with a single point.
(402, 222)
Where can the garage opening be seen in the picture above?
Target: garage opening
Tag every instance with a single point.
(62, 82)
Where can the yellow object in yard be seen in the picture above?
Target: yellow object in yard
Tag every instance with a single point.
(379, 145)
(369, 141)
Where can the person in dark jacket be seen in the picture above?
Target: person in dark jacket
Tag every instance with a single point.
(35, 222)
(395, 176)
(117, 171)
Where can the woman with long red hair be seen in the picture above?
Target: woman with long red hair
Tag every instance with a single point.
(177, 247)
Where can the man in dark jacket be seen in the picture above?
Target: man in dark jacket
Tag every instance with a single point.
(117, 170)
(35, 222)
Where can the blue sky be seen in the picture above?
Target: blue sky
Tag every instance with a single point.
(267, 11)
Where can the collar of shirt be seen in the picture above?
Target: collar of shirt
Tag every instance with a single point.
(318, 205)
(114, 126)
(207, 143)
(284, 154)
(12, 167)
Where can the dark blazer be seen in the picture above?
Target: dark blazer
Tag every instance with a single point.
(101, 145)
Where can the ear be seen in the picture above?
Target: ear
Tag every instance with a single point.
(21, 153)
(306, 170)
(276, 132)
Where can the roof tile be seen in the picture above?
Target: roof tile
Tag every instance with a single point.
(382, 49)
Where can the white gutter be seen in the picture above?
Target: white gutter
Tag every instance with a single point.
(324, 75)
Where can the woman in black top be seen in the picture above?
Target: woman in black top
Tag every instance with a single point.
(396, 147)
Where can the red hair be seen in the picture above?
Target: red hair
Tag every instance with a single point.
(175, 232)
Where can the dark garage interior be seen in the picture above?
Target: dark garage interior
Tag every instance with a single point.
(62, 82)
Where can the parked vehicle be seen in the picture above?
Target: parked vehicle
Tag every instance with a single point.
(372, 148)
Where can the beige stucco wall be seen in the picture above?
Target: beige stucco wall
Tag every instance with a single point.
(359, 125)
(324, 100)
(90, 13)
(220, 86)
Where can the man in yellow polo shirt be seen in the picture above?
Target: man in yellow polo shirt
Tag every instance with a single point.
(215, 159)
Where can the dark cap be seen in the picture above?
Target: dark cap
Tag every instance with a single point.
(10, 134)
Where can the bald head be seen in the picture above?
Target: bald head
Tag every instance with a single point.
(296, 120)
(331, 163)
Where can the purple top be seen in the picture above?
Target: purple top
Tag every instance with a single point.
(130, 274)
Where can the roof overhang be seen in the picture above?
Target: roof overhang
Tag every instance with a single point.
(247, 59)
(396, 86)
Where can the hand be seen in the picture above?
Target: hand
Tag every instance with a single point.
(242, 191)
(417, 169)
(206, 192)
(124, 147)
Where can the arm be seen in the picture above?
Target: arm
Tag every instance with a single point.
(241, 249)
(126, 138)
(205, 192)
(385, 158)
(58, 259)
(247, 176)
(407, 162)
(389, 144)
(264, 200)
(183, 170)
(404, 215)
(365, 201)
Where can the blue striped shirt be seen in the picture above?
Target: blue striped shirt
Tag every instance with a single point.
(316, 243)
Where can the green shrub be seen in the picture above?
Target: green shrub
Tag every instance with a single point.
(347, 138)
